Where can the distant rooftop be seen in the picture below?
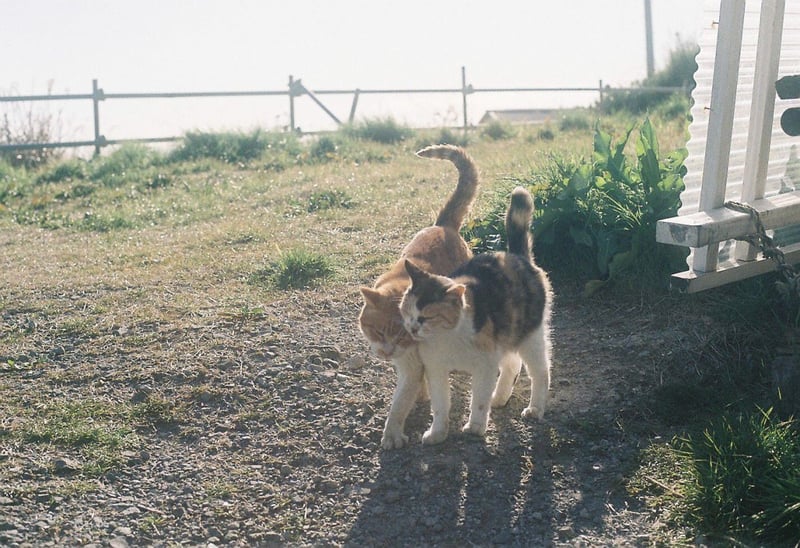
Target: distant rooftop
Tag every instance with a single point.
(518, 116)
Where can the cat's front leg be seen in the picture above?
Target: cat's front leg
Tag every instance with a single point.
(483, 382)
(439, 384)
(410, 382)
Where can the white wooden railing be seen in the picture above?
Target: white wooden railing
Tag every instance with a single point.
(737, 150)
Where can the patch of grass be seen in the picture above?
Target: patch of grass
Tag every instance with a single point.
(127, 164)
(296, 269)
(329, 199)
(103, 223)
(231, 147)
(70, 170)
(742, 478)
(575, 120)
(498, 131)
(380, 130)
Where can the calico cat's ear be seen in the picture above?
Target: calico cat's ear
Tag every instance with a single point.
(456, 290)
(370, 295)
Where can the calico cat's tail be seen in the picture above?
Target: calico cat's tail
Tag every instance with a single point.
(518, 223)
(458, 204)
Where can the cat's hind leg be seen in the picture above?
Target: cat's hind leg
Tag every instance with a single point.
(535, 352)
(410, 382)
(510, 365)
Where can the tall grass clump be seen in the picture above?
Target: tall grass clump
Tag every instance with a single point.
(22, 123)
(126, 164)
(234, 147)
(742, 478)
(295, 269)
(498, 131)
(598, 216)
(380, 130)
(679, 73)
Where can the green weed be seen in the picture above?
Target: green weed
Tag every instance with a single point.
(296, 269)
(380, 130)
(602, 211)
(498, 131)
(743, 478)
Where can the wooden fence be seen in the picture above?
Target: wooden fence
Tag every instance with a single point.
(295, 89)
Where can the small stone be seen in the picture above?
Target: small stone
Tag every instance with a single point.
(566, 533)
(5, 501)
(123, 532)
(118, 542)
(65, 465)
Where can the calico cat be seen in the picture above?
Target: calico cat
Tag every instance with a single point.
(438, 248)
(483, 317)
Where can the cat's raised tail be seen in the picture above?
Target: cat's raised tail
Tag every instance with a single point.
(457, 207)
(518, 222)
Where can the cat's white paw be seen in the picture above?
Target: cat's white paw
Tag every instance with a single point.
(500, 400)
(393, 440)
(433, 437)
(474, 429)
(532, 412)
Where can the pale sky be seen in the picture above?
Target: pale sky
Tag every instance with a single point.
(241, 45)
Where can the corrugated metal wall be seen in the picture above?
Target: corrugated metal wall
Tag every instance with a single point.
(781, 148)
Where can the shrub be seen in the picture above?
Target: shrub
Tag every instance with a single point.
(498, 131)
(323, 149)
(447, 136)
(575, 120)
(601, 213)
(382, 130)
(235, 147)
(678, 73)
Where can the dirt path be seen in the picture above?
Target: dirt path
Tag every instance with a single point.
(271, 435)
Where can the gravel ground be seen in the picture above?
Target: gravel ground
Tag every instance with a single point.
(272, 428)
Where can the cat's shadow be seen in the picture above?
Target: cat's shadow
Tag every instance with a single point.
(467, 490)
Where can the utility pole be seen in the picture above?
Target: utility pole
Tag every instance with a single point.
(648, 29)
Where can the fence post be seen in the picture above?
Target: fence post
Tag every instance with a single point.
(291, 103)
(464, 95)
(353, 107)
(97, 96)
(601, 92)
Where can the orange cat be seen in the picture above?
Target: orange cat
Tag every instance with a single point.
(438, 249)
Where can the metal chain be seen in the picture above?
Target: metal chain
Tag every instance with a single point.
(762, 240)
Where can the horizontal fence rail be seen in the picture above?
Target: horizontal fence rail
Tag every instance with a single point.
(295, 89)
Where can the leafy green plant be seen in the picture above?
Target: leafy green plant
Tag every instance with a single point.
(744, 478)
(604, 209)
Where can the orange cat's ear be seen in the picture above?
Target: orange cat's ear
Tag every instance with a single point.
(456, 290)
(413, 270)
(370, 295)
